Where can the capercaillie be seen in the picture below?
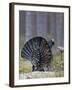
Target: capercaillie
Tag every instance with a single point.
(38, 51)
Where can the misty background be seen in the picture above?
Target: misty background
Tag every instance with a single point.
(45, 24)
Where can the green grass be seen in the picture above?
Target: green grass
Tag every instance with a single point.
(58, 63)
(25, 66)
(57, 68)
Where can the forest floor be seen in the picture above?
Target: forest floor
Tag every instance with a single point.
(38, 74)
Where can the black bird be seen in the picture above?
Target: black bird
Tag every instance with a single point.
(38, 51)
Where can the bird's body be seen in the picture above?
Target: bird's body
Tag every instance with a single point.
(38, 51)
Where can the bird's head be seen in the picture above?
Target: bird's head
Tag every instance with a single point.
(51, 43)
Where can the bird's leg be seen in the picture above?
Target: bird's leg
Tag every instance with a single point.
(34, 68)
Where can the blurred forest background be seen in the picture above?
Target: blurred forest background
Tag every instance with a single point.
(48, 25)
